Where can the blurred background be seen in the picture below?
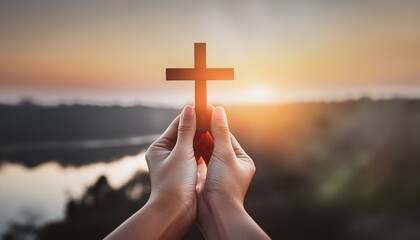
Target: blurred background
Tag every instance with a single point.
(326, 100)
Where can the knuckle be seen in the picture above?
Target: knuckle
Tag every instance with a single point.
(253, 167)
(152, 151)
(223, 152)
(222, 129)
(161, 143)
(251, 164)
(149, 153)
(185, 129)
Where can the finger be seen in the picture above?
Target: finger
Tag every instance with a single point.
(165, 142)
(186, 127)
(241, 154)
(239, 151)
(220, 130)
(168, 138)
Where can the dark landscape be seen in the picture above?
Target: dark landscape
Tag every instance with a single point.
(339, 170)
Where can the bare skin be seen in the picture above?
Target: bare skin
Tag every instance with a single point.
(221, 213)
(185, 192)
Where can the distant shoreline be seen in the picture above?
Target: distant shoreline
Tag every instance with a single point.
(122, 104)
(79, 144)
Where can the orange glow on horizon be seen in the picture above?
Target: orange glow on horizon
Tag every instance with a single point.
(293, 51)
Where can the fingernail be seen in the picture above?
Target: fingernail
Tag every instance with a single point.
(219, 113)
(188, 112)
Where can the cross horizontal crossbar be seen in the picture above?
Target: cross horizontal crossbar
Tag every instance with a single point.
(199, 74)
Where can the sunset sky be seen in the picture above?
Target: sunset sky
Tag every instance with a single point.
(116, 51)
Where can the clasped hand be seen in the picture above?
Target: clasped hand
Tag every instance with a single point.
(186, 191)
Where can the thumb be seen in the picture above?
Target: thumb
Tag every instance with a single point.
(220, 130)
(186, 127)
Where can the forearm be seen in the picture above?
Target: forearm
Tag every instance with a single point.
(228, 220)
(158, 219)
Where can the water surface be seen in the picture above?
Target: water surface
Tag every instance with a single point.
(45, 189)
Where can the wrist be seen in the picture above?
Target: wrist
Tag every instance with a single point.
(175, 216)
(159, 218)
(216, 214)
(213, 202)
(227, 219)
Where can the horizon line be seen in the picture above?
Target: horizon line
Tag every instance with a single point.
(40, 103)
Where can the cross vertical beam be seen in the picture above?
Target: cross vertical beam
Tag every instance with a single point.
(200, 88)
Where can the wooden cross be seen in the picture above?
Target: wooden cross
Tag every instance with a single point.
(200, 74)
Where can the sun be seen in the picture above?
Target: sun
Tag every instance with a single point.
(260, 94)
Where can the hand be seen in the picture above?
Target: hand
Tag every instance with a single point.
(173, 167)
(177, 179)
(230, 169)
(223, 186)
(172, 206)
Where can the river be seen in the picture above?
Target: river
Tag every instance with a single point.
(43, 191)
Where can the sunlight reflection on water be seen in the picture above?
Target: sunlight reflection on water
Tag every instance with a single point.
(45, 189)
